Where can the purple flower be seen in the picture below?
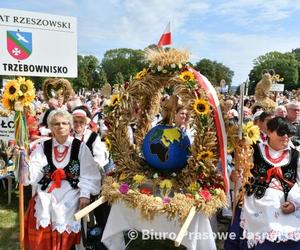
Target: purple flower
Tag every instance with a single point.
(166, 200)
(124, 188)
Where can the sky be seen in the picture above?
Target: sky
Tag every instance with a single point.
(230, 32)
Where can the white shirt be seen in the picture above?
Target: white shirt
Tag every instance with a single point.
(58, 207)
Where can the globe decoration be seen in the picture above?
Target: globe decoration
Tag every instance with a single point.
(166, 148)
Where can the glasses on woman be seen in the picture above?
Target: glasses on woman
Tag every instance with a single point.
(283, 132)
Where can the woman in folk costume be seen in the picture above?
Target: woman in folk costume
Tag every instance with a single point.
(269, 217)
(82, 132)
(66, 175)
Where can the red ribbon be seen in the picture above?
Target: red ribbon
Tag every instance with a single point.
(56, 177)
(277, 173)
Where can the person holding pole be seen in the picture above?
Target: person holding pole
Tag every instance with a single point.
(269, 216)
(66, 174)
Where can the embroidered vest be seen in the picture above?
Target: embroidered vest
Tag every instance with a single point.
(259, 182)
(72, 169)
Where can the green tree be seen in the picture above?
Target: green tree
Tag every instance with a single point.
(119, 78)
(88, 73)
(214, 71)
(283, 64)
(126, 61)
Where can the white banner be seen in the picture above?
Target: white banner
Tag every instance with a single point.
(7, 128)
(277, 87)
(37, 44)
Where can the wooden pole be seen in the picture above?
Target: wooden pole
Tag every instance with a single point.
(83, 212)
(21, 216)
(185, 226)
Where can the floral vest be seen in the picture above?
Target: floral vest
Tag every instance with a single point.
(263, 174)
(72, 169)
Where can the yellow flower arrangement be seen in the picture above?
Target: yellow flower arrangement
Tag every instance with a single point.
(250, 132)
(108, 144)
(18, 93)
(141, 74)
(201, 107)
(138, 178)
(205, 155)
(193, 187)
(114, 100)
(166, 184)
(187, 76)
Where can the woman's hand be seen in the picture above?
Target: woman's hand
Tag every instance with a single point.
(287, 207)
(83, 202)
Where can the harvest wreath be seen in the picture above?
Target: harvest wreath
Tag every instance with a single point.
(134, 181)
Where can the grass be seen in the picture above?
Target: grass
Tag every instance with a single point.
(9, 227)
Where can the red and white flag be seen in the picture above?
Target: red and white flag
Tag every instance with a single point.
(166, 38)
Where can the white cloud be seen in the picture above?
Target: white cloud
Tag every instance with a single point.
(255, 12)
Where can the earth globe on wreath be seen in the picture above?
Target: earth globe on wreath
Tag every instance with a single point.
(166, 148)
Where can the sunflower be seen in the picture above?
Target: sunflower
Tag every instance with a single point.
(114, 100)
(108, 143)
(11, 89)
(201, 107)
(26, 87)
(141, 74)
(251, 132)
(187, 76)
(6, 102)
(205, 155)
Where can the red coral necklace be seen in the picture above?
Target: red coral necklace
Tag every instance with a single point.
(274, 160)
(60, 156)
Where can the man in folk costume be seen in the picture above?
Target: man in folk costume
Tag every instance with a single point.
(66, 174)
(81, 119)
(82, 132)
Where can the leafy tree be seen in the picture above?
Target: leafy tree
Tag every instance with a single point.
(119, 78)
(283, 64)
(214, 71)
(126, 61)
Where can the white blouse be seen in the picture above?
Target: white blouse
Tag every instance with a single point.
(262, 219)
(58, 207)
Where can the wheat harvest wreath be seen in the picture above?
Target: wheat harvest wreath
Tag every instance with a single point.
(134, 181)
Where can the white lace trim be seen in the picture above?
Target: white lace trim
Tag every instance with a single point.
(273, 235)
(73, 227)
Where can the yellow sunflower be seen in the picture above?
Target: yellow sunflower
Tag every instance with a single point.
(187, 76)
(107, 143)
(114, 100)
(141, 74)
(11, 89)
(6, 102)
(205, 155)
(201, 107)
(251, 132)
(26, 87)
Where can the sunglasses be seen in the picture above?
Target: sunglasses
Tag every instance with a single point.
(283, 132)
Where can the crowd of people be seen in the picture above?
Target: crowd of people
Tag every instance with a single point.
(69, 158)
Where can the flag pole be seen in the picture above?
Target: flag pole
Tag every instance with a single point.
(21, 216)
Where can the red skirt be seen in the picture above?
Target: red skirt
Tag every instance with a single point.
(45, 238)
